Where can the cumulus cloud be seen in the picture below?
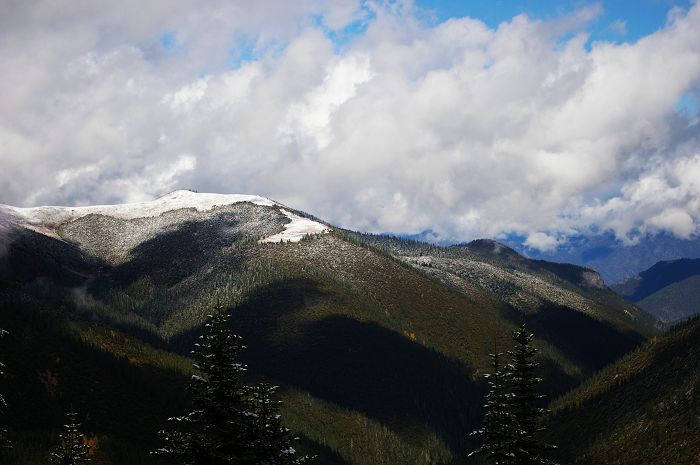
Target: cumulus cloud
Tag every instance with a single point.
(541, 241)
(459, 128)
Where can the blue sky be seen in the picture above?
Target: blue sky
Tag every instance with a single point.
(641, 17)
(616, 21)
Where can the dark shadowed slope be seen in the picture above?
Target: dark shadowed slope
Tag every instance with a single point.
(642, 409)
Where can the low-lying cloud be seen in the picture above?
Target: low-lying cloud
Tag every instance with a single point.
(456, 127)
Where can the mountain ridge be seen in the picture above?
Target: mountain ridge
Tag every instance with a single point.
(616, 261)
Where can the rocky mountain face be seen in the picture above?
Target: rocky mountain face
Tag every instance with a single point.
(376, 341)
(669, 290)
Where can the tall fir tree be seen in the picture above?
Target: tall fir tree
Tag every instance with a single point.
(71, 448)
(216, 431)
(231, 424)
(497, 433)
(272, 443)
(527, 416)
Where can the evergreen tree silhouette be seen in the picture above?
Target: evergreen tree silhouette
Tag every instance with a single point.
(497, 433)
(513, 417)
(215, 432)
(231, 423)
(71, 448)
(527, 416)
(271, 442)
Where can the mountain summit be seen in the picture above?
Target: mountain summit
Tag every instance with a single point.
(50, 219)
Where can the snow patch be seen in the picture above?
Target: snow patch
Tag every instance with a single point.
(296, 229)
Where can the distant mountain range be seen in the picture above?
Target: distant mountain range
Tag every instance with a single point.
(614, 260)
(669, 290)
(379, 343)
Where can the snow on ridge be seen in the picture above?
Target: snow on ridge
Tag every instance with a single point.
(44, 219)
(296, 229)
(52, 215)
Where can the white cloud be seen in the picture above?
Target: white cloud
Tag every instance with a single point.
(458, 128)
(666, 197)
(186, 97)
(310, 118)
(541, 241)
(675, 220)
(619, 27)
(66, 176)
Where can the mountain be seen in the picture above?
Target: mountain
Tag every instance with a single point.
(669, 290)
(378, 343)
(642, 409)
(614, 260)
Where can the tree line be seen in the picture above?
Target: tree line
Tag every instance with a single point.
(232, 423)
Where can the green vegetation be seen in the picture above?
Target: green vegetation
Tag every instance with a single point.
(379, 358)
(497, 433)
(513, 419)
(527, 415)
(362, 438)
(271, 443)
(645, 408)
(230, 422)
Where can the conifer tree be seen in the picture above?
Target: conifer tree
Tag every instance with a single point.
(497, 433)
(526, 415)
(231, 423)
(71, 448)
(270, 441)
(216, 431)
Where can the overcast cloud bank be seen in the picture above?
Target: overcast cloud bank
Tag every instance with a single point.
(359, 113)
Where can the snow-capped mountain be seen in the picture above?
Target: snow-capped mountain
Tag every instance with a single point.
(51, 220)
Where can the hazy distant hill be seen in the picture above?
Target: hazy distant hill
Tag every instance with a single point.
(614, 260)
(668, 290)
(378, 343)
